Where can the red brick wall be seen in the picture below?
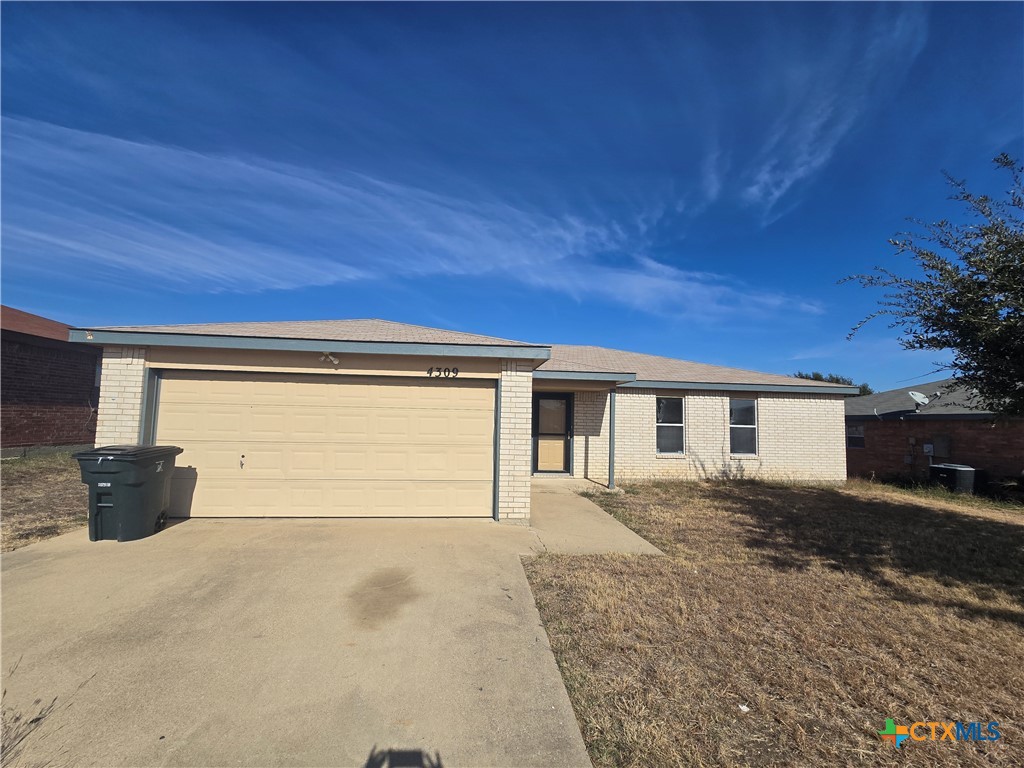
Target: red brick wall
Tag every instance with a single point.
(997, 448)
(47, 393)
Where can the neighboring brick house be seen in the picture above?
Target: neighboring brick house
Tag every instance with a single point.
(372, 418)
(889, 435)
(49, 387)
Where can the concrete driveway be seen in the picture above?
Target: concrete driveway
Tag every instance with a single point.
(285, 642)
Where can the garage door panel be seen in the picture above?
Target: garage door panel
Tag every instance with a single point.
(215, 459)
(265, 425)
(470, 463)
(468, 426)
(308, 396)
(391, 427)
(346, 424)
(198, 390)
(432, 462)
(353, 461)
(305, 425)
(306, 500)
(259, 498)
(327, 446)
(221, 424)
(184, 420)
(389, 501)
(435, 427)
(309, 498)
(390, 464)
(267, 462)
(364, 461)
(202, 421)
(305, 461)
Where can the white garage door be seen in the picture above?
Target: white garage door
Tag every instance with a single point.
(265, 445)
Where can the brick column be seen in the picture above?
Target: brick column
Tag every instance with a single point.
(514, 444)
(591, 435)
(120, 407)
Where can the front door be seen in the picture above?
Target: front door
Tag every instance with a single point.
(552, 431)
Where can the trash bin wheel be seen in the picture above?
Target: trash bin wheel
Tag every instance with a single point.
(161, 522)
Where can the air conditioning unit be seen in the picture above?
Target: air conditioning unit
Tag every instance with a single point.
(955, 477)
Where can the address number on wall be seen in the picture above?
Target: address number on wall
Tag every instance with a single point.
(442, 373)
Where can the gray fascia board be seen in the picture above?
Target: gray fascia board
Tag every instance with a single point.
(987, 416)
(832, 390)
(146, 339)
(618, 378)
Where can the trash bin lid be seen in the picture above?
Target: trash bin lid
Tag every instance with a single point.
(129, 452)
(958, 466)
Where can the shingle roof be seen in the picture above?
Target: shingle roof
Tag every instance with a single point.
(17, 321)
(571, 357)
(327, 330)
(566, 358)
(945, 398)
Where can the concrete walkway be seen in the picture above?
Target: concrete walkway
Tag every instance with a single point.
(289, 643)
(566, 522)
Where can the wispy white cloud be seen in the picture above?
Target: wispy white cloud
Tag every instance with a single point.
(712, 172)
(854, 348)
(824, 97)
(109, 209)
(880, 360)
(662, 289)
(870, 349)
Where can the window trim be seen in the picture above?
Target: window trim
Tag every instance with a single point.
(682, 406)
(863, 442)
(755, 426)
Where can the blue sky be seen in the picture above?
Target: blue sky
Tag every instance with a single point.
(681, 179)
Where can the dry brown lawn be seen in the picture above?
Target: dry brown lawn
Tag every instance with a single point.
(822, 611)
(40, 497)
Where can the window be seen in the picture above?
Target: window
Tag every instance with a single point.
(670, 425)
(742, 426)
(855, 437)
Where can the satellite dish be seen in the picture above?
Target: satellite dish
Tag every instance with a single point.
(918, 398)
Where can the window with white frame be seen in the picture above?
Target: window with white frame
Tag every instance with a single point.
(855, 436)
(742, 426)
(671, 425)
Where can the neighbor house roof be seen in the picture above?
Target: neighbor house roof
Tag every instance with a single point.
(17, 321)
(946, 399)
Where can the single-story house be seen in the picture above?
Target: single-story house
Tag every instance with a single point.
(49, 387)
(377, 418)
(892, 435)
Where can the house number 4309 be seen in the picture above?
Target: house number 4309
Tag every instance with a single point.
(442, 373)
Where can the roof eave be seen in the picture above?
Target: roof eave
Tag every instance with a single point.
(837, 389)
(911, 416)
(153, 339)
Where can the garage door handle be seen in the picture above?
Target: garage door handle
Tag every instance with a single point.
(241, 462)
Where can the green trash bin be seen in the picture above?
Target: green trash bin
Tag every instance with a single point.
(129, 489)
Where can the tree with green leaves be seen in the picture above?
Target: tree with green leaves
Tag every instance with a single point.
(834, 378)
(969, 296)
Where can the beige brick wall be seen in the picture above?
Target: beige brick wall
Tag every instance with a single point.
(120, 406)
(515, 441)
(590, 436)
(801, 437)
